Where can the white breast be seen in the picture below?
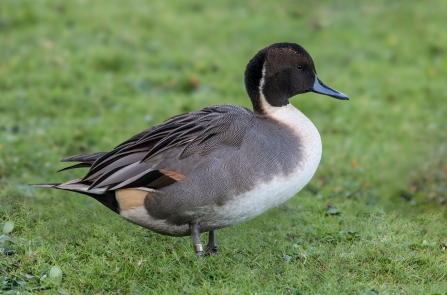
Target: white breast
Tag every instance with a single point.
(280, 189)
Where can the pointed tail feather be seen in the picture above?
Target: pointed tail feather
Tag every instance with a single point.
(102, 195)
(74, 186)
(45, 185)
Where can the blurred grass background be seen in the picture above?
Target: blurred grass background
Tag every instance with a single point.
(82, 76)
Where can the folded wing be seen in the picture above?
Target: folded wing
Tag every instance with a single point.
(165, 153)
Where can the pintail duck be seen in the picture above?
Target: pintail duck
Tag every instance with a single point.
(218, 166)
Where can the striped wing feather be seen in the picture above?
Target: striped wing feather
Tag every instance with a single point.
(147, 159)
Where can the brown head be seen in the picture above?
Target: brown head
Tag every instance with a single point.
(280, 71)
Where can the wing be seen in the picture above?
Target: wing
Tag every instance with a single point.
(165, 153)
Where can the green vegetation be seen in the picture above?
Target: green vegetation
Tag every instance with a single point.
(82, 76)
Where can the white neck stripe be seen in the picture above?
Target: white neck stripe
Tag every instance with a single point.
(265, 106)
(261, 84)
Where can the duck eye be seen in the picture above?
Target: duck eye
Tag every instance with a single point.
(300, 67)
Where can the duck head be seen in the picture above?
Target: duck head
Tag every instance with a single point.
(280, 71)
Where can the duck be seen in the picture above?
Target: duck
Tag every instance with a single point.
(218, 166)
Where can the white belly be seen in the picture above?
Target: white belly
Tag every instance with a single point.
(257, 201)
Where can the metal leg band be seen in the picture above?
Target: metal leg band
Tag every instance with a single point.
(198, 248)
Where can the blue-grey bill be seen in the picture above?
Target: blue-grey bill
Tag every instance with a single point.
(319, 87)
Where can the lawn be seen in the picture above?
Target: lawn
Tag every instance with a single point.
(82, 76)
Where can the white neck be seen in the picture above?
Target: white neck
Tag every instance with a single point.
(302, 127)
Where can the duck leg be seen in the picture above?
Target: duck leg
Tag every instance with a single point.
(211, 247)
(195, 231)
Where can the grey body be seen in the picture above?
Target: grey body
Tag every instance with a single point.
(226, 173)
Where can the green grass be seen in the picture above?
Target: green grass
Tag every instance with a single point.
(82, 76)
